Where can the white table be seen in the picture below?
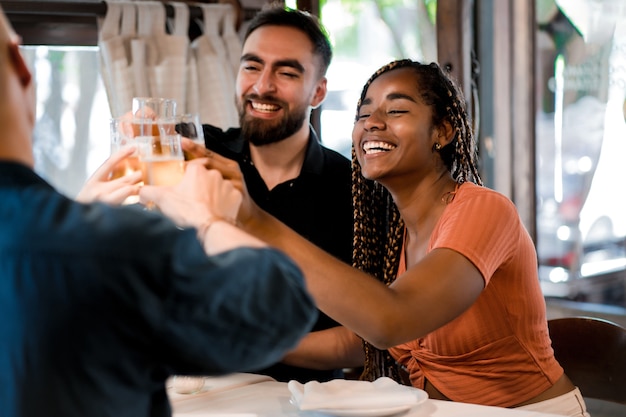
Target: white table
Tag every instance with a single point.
(248, 395)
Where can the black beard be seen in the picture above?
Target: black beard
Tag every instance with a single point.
(261, 132)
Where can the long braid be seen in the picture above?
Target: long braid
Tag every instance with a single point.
(462, 161)
(378, 227)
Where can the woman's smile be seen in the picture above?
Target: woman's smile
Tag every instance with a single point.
(375, 147)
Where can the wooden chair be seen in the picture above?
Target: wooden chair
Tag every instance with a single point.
(593, 353)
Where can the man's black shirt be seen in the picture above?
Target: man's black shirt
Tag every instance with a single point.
(317, 205)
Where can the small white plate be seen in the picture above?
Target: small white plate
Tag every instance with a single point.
(370, 412)
(422, 396)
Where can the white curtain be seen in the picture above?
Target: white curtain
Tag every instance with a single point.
(215, 94)
(145, 53)
(115, 35)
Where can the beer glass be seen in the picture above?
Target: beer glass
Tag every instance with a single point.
(189, 126)
(122, 134)
(153, 108)
(161, 158)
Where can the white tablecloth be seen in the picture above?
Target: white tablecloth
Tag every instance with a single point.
(246, 395)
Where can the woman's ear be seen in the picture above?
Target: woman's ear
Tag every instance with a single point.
(445, 133)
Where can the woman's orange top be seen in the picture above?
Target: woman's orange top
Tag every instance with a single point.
(498, 352)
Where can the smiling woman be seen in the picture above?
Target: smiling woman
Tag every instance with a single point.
(444, 275)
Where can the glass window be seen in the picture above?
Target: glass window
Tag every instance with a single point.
(71, 137)
(581, 143)
(366, 35)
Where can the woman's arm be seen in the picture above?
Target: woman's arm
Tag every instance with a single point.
(432, 293)
(442, 286)
(333, 348)
(438, 289)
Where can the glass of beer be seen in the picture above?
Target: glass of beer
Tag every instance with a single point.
(161, 159)
(157, 109)
(153, 108)
(189, 126)
(122, 134)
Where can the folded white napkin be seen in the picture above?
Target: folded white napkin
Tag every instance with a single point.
(348, 394)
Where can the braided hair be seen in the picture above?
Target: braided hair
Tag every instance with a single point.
(378, 227)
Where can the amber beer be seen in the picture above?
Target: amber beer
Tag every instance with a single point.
(127, 166)
(162, 170)
(122, 134)
(162, 161)
(147, 127)
(125, 131)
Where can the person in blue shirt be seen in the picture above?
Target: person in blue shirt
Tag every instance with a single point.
(101, 304)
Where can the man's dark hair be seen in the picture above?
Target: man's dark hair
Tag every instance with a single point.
(275, 14)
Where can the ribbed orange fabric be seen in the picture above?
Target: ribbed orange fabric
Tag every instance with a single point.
(498, 352)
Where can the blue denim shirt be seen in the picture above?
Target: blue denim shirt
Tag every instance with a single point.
(101, 304)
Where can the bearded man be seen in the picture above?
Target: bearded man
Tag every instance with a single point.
(287, 171)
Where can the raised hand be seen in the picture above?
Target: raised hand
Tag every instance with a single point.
(99, 187)
(193, 150)
(202, 194)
